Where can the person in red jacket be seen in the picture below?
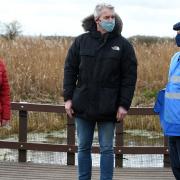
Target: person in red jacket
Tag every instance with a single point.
(4, 96)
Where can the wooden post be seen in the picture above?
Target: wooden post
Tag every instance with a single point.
(119, 142)
(22, 135)
(70, 140)
(166, 160)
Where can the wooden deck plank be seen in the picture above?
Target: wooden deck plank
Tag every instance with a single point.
(28, 171)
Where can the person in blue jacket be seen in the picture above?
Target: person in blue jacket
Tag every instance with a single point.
(168, 107)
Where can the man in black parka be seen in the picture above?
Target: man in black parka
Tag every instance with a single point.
(99, 81)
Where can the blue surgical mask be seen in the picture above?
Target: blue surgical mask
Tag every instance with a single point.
(178, 40)
(107, 25)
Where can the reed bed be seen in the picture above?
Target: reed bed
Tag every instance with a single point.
(35, 67)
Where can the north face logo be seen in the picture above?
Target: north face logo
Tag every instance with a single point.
(116, 48)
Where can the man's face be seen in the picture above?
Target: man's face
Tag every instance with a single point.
(107, 14)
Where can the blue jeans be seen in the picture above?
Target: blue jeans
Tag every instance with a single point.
(85, 132)
(174, 152)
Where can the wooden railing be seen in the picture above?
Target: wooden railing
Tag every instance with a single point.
(22, 145)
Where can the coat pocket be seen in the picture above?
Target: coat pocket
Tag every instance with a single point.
(87, 52)
(79, 101)
(108, 101)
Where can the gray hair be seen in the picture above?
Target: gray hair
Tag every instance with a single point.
(100, 7)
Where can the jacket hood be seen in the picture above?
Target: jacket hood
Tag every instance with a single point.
(89, 24)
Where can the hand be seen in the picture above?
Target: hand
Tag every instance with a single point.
(68, 108)
(6, 124)
(121, 113)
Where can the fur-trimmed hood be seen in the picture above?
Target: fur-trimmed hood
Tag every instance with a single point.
(89, 24)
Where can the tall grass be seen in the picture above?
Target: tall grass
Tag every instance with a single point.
(35, 68)
(153, 64)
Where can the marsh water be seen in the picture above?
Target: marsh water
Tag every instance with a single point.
(131, 138)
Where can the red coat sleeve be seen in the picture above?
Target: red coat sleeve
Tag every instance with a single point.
(4, 94)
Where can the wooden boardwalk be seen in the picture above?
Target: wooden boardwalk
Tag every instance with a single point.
(27, 171)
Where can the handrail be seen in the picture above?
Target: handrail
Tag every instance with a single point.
(59, 108)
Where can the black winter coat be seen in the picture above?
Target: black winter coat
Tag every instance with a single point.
(100, 73)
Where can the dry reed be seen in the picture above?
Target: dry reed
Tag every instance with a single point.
(35, 68)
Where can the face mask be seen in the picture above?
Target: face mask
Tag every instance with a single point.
(107, 25)
(178, 40)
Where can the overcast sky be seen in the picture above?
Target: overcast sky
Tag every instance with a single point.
(63, 17)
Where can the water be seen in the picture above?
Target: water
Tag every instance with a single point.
(143, 138)
(131, 138)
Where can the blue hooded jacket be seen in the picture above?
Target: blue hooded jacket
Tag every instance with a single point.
(169, 129)
(167, 104)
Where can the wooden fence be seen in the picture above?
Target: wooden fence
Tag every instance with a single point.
(22, 145)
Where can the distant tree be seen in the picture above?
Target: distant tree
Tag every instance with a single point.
(10, 30)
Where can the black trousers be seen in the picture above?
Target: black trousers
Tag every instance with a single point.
(174, 152)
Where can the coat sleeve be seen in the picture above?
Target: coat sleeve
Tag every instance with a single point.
(128, 78)
(5, 96)
(71, 70)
